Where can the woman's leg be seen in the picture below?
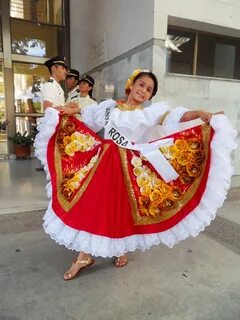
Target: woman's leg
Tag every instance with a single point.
(121, 261)
(83, 260)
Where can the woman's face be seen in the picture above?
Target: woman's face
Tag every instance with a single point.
(84, 87)
(142, 89)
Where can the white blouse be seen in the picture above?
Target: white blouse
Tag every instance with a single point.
(138, 125)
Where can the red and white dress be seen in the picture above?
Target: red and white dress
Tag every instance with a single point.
(118, 194)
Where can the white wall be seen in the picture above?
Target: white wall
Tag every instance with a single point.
(125, 23)
(117, 73)
(214, 13)
(216, 16)
(207, 94)
(128, 24)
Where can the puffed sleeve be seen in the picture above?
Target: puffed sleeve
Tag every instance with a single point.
(94, 115)
(171, 123)
(140, 119)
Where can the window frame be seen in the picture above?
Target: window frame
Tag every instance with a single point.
(197, 34)
(64, 22)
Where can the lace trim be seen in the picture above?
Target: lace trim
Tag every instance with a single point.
(215, 193)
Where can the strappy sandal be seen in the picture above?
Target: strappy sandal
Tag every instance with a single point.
(121, 261)
(86, 263)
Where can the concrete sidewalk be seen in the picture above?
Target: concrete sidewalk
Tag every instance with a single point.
(22, 186)
(199, 279)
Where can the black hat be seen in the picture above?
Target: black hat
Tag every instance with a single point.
(88, 79)
(73, 73)
(61, 60)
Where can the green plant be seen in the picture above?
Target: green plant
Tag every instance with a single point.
(22, 139)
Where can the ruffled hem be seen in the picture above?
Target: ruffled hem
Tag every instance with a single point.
(219, 181)
(46, 129)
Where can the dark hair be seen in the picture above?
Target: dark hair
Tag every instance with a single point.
(90, 93)
(54, 65)
(152, 76)
(85, 79)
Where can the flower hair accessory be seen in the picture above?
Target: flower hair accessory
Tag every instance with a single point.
(130, 80)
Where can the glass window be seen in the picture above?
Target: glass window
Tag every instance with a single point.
(218, 57)
(3, 119)
(28, 80)
(1, 34)
(36, 40)
(45, 11)
(180, 46)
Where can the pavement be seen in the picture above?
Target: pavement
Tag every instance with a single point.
(199, 279)
(22, 186)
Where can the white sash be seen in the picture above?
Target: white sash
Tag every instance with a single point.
(150, 151)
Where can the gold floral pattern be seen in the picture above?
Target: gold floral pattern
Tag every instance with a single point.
(72, 180)
(158, 197)
(70, 140)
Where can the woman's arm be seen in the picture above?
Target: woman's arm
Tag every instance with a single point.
(70, 109)
(92, 115)
(205, 116)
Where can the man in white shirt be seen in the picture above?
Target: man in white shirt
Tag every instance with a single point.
(52, 92)
(72, 81)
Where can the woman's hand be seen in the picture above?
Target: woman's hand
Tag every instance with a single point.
(72, 105)
(70, 109)
(205, 116)
(219, 112)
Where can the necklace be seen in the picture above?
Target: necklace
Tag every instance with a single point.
(125, 107)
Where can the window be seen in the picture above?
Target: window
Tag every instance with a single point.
(35, 39)
(218, 57)
(28, 80)
(203, 54)
(3, 120)
(180, 45)
(45, 11)
(1, 34)
(34, 29)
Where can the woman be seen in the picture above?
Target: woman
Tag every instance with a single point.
(86, 84)
(123, 193)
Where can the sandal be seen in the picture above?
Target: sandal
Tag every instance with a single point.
(83, 264)
(121, 261)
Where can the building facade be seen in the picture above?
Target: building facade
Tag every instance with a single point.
(30, 32)
(193, 47)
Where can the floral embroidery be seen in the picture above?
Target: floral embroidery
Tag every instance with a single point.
(70, 141)
(156, 196)
(72, 180)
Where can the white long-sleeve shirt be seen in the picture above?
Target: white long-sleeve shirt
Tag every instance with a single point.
(138, 125)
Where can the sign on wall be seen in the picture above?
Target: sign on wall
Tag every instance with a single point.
(99, 50)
